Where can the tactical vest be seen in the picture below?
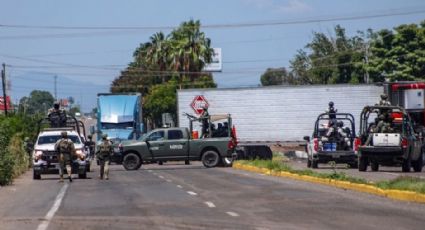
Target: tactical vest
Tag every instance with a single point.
(105, 148)
(65, 146)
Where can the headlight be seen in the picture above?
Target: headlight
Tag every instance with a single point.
(37, 154)
(80, 154)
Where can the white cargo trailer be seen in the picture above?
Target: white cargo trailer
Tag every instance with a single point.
(277, 114)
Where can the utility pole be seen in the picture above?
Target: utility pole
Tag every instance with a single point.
(56, 96)
(3, 80)
(366, 58)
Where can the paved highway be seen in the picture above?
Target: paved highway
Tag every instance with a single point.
(178, 196)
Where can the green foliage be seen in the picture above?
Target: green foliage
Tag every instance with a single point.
(277, 76)
(404, 183)
(398, 55)
(13, 158)
(6, 160)
(37, 103)
(179, 57)
(162, 99)
(331, 59)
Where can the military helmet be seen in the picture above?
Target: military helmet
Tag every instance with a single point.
(384, 96)
(104, 136)
(381, 117)
(340, 124)
(331, 103)
(56, 105)
(64, 134)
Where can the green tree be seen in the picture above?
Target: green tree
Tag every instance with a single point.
(180, 56)
(331, 59)
(38, 102)
(398, 54)
(162, 99)
(278, 76)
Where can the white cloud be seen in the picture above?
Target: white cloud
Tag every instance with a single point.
(288, 6)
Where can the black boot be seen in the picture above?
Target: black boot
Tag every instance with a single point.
(70, 178)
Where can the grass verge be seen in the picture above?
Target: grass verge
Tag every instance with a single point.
(404, 183)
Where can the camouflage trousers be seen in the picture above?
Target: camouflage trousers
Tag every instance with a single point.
(104, 168)
(65, 161)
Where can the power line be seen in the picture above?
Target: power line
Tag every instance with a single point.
(398, 12)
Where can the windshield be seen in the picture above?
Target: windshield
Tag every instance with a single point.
(125, 125)
(54, 138)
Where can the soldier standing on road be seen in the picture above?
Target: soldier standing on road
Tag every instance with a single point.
(91, 145)
(103, 155)
(66, 149)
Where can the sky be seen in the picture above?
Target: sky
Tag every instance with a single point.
(85, 43)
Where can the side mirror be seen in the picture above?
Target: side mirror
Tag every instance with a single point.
(307, 138)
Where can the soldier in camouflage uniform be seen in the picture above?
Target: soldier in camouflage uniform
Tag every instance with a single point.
(65, 149)
(57, 116)
(103, 155)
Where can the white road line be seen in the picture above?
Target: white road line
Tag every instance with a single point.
(210, 204)
(192, 193)
(234, 214)
(161, 177)
(179, 186)
(45, 223)
(169, 180)
(150, 170)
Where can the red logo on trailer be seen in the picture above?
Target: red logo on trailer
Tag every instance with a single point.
(198, 103)
(8, 103)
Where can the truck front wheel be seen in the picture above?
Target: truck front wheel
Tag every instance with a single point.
(210, 159)
(131, 161)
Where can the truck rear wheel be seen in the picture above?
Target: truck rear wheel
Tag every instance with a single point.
(417, 165)
(131, 161)
(407, 164)
(374, 166)
(363, 161)
(308, 163)
(36, 175)
(210, 159)
(315, 164)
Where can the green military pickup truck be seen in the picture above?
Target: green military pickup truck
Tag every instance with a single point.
(177, 144)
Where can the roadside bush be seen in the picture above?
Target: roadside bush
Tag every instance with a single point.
(13, 158)
(6, 161)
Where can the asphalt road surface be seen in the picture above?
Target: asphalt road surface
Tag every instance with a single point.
(178, 196)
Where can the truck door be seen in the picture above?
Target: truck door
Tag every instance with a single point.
(176, 145)
(156, 143)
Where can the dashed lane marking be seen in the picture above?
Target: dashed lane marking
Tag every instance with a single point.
(45, 223)
(168, 180)
(179, 186)
(234, 214)
(210, 204)
(161, 177)
(192, 193)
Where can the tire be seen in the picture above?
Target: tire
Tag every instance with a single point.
(363, 161)
(374, 166)
(160, 163)
(315, 164)
(82, 175)
(417, 165)
(227, 161)
(210, 159)
(308, 163)
(35, 175)
(187, 162)
(131, 161)
(407, 164)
